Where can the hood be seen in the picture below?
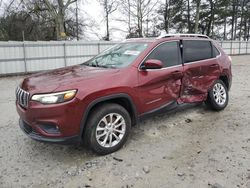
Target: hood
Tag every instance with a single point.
(50, 81)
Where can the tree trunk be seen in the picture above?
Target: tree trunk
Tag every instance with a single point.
(236, 19)
(233, 20)
(211, 17)
(166, 18)
(248, 30)
(225, 29)
(139, 18)
(241, 18)
(58, 15)
(241, 22)
(77, 22)
(129, 17)
(139, 28)
(245, 28)
(212, 28)
(197, 16)
(141, 35)
(188, 15)
(60, 30)
(107, 27)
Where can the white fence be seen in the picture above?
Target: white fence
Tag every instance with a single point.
(236, 47)
(22, 57)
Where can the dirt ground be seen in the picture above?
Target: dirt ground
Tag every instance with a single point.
(191, 147)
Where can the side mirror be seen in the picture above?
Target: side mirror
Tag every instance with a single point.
(152, 64)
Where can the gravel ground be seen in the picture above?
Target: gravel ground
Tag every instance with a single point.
(191, 147)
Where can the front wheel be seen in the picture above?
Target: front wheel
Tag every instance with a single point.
(107, 128)
(217, 98)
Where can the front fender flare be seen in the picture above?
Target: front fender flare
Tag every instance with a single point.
(103, 99)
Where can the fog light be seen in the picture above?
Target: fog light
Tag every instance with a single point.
(50, 128)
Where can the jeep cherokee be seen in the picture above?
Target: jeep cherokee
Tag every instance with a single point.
(97, 102)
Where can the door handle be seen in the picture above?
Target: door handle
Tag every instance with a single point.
(214, 66)
(177, 74)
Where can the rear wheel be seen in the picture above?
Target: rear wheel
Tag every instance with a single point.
(107, 128)
(217, 98)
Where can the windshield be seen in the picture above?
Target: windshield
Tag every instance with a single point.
(119, 56)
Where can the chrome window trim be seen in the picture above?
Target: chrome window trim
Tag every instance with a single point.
(165, 68)
(139, 69)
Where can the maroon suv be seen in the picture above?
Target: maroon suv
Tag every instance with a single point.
(98, 101)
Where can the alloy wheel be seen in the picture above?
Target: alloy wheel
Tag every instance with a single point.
(110, 130)
(219, 94)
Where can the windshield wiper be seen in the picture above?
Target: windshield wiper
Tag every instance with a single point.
(112, 66)
(92, 64)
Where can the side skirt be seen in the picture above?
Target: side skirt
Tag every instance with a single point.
(163, 109)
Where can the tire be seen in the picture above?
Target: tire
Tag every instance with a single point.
(99, 128)
(218, 97)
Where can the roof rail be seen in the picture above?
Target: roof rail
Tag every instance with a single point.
(132, 39)
(183, 35)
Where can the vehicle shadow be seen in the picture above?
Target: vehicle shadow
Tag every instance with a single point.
(179, 113)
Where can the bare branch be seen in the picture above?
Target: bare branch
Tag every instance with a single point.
(50, 7)
(69, 2)
(1, 2)
(10, 4)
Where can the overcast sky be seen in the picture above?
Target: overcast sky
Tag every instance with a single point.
(95, 11)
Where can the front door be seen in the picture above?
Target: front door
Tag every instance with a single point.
(160, 87)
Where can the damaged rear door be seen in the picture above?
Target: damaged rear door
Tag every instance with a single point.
(201, 69)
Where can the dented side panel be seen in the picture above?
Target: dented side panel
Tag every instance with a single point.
(159, 87)
(198, 78)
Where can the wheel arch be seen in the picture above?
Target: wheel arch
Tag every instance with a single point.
(225, 80)
(122, 99)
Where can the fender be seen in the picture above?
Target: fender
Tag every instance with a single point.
(226, 73)
(103, 99)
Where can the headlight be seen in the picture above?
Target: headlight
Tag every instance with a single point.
(54, 98)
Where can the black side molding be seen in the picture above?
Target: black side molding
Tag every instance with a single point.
(165, 108)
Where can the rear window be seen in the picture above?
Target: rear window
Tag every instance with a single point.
(215, 51)
(196, 50)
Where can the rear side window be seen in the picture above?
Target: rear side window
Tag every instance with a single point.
(215, 51)
(168, 53)
(197, 50)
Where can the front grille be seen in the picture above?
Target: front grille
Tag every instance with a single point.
(22, 97)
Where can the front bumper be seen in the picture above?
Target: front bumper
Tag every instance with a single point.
(32, 133)
(52, 123)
